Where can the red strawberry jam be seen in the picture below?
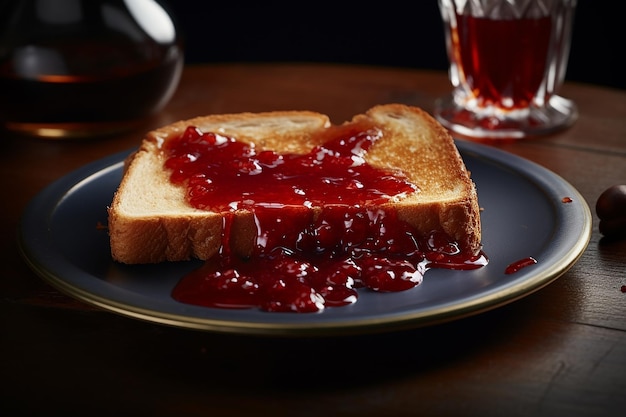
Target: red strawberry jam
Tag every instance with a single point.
(304, 260)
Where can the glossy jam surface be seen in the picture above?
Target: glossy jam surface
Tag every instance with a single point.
(520, 264)
(304, 260)
(223, 174)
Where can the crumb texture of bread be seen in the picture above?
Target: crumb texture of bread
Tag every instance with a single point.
(150, 220)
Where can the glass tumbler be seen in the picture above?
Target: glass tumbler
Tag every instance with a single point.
(508, 59)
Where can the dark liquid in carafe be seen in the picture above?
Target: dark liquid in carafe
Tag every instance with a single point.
(85, 77)
(50, 99)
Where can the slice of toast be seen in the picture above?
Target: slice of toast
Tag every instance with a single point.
(151, 221)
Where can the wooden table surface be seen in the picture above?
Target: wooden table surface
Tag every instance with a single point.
(558, 352)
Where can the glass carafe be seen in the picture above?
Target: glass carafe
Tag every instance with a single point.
(79, 68)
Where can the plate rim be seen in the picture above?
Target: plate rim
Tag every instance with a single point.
(530, 170)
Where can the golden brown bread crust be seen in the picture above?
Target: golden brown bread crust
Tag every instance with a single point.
(150, 222)
(435, 165)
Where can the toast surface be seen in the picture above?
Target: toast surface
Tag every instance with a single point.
(150, 220)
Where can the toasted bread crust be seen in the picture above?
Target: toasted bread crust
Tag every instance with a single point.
(150, 222)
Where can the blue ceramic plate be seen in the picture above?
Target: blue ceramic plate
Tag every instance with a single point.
(524, 215)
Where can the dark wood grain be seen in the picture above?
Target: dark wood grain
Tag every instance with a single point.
(560, 351)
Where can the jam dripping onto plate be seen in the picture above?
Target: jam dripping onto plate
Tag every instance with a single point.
(520, 264)
(321, 233)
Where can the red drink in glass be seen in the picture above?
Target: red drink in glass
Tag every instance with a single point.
(507, 61)
(503, 61)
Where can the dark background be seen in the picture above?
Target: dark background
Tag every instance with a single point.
(388, 33)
